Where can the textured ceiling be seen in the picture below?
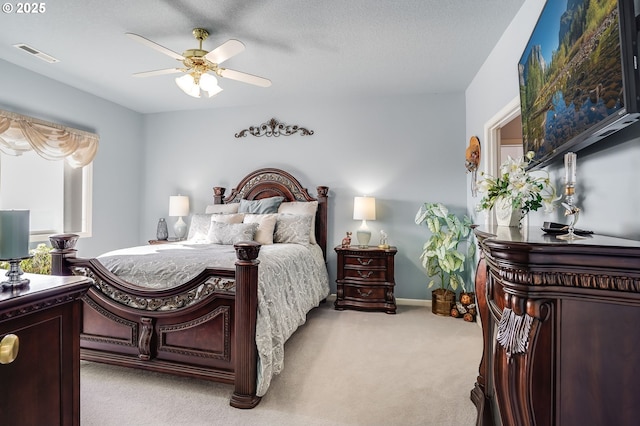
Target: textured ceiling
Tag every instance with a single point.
(311, 49)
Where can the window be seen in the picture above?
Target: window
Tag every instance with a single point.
(58, 196)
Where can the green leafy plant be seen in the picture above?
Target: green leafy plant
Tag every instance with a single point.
(39, 263)
(440, 255)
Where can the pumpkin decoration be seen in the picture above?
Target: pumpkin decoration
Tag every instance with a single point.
(465, 308)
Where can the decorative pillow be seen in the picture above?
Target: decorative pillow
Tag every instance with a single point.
(262, 206)
(228, 218)
(292, 228)
(231, 233)
(199, 228)
(223, 208)
(302, 207)
(266, 226)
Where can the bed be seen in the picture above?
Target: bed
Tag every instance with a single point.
(218, 322)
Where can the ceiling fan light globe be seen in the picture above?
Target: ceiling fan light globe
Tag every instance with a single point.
(188, 85)
(209, 84)
(214, 91)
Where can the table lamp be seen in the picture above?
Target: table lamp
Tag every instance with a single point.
(179, 206)
(364, 208)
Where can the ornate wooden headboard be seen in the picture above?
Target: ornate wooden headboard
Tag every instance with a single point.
(270, 182)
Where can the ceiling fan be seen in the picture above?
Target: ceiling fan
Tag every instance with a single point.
(199, 66)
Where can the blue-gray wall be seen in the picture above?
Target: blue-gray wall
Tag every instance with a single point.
(402, 150)
(608, 171)
(119, 163)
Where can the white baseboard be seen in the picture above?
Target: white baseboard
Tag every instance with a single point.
(408, 302)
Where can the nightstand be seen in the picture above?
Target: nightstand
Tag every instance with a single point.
(366, 279)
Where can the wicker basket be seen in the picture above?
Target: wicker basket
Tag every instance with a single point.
(442, 301)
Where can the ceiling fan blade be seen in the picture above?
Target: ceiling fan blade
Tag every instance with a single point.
(244, 77)
(225, 51)
(158, 72)
(155, 46)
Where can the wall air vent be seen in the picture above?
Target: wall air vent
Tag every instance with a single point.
(35, 52)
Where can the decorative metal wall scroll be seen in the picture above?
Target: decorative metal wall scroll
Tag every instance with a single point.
(273, 128)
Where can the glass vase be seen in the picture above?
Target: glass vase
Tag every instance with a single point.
(162, 232)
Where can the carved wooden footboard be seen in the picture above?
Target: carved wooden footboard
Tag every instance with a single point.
(192, 330)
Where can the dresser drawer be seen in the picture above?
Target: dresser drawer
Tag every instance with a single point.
(363, 293)
(366, 261)
(365, 274)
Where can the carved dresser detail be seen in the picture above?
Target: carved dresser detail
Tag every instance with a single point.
(561, 325)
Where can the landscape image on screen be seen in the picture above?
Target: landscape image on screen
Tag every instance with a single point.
(570, 73)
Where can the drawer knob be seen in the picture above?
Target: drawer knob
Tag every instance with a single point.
(365, 262)
(363, 294)
(363, 275)
(9, 346)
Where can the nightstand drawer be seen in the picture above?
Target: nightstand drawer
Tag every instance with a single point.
(365, 274)
(366, 261)
(363, 292)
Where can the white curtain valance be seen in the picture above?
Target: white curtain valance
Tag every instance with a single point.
(20, 133)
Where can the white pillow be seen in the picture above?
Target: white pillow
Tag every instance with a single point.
(199, 228)
(228, 218)
(302, 207)
(266, 226)
(292, 228)
(223, 208)
(231, 233)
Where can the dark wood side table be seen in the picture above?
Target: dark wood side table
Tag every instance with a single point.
(40, 327)
(167, 241)
(366, 279)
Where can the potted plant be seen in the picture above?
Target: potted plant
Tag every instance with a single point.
(516, 191)
(440, 254)
(38, 263)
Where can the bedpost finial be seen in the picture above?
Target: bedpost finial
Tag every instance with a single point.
(323, 191)
(63, 241)
(247, 250)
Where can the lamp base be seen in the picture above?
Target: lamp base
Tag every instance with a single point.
(180, 228)
(364, 236)
(15, 282)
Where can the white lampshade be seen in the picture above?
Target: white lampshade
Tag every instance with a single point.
(188, 85)
(209, 84)
(178, 205)
(364, 208)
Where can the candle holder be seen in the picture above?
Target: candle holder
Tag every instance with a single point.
(14, 273)
(570, 210)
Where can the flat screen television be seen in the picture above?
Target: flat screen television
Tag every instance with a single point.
(578, 76)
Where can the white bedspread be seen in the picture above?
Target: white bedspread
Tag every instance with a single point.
(292, 279)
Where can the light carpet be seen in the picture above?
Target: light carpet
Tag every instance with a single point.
(341, 368)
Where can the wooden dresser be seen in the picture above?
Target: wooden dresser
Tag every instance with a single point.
(366, 278)
(561, 326)
(41, 386)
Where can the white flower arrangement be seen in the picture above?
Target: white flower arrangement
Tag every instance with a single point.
(518, 186)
